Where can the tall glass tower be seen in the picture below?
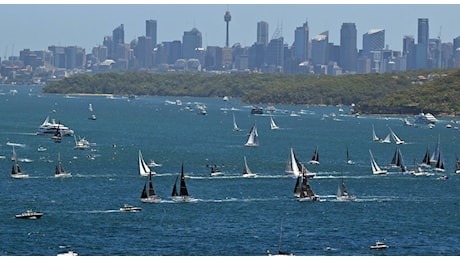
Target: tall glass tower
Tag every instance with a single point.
(151, 30)
(301, 42)
(262, 33)
(348, 48)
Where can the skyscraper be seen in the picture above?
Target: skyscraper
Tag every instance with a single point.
(191, 41)
(262, 33)
(348, 47)
(227, 19)
(151, 30)
(421, 53)
(301, 43)
(319, 48)
(374, 40)
(118, 39)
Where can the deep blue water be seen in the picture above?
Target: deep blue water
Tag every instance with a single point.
(414, 215)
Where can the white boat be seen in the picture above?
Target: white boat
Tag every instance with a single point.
(246, 171)
(342, 194)
(144, 169)
(375, 167)
(129, 208)
(437, 159)
(302, 189)
(418, 171)
(427, 118)
(235, 126)
(375, 138)
(29, 214)
(290, 170)
(379, 245)
(16, 171)
(48, 127)
(387, 139)
(68, 253)
(315, 157)
(395, 137)
(273, 125)
(148, 194)
(81, 143)
(152, 163)
(253, 138)
(182, 195)
(41, 149)
(215, 170)
(59, 170)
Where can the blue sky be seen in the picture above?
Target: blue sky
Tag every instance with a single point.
(37, 26)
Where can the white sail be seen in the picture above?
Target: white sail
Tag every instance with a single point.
(375, 138)
(253, 139)
(273, 125)
(396, 138)
(235, 126)
(294, 166)
(375, 168)
(246, 171)
(144, 169)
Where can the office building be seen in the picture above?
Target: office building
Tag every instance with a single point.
(191, 41)
(262, 33)
(301, 43)
(348, 47)
(151, 30)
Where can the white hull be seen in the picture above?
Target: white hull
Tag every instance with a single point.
(213, 174)
(307, 199)
(346, 198)
(151, 200)
(183, 199)
(249, 175)
(20, 176)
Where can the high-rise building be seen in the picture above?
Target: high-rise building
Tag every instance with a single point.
(374, 40)
(319, 48)
(118, 40)
(421, 54)
(348, 47)
(409, 51)
(262, 33)
(301, 43)
(227, 19)
(191, 41)
(275, 53)
(151, 30)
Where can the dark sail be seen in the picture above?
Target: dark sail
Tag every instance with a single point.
(426, 158)
(183, 188)
(13, 169)
(174, 191)
(151, 190)
(144, 192)
(297, 186)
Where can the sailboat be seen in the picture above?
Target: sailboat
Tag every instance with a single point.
(439, 165)
(280, 253)
(375, 167)
(273, 125)
(457, 165)
(144, 169)
(434, 156)
(215, 170)
(93, 116)
(182, 195)
(349, 161)
(15, 169)
(395, 137)
(302, 190)
(342, 194)
(60, 171)
(375, 138)
(235, 126)
(300, 168)
(246, 171)
(57, 137)
(396, 161)
(426, 159)
(387, 139)
(149, 196)
(253, 139)
(315, 157)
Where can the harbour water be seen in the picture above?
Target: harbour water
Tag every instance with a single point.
(413, 215)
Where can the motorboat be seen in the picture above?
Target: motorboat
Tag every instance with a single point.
(48, 127)
(379, 245)
(427, 118)
(29, 214)
(68, 253)
(129, 208)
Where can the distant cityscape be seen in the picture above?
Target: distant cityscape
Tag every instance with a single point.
(315, 55)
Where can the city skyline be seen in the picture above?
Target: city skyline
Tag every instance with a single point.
(86, 25)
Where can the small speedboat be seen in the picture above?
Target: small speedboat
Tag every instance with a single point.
(69, 253)
(379, 245)
(29, 214)
(129, 208)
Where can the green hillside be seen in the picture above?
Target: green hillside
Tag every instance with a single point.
(408, 92)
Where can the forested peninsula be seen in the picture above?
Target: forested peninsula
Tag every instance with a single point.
(411, 92)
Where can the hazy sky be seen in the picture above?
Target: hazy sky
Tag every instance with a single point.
(37, 26)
